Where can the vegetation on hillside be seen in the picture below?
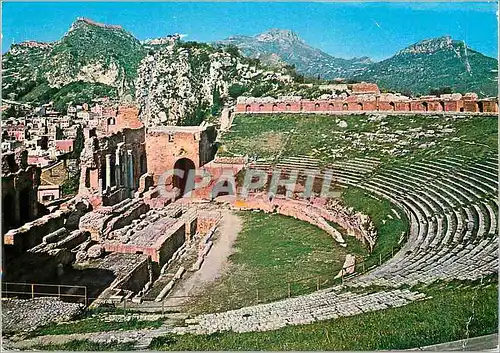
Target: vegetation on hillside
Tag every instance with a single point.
(392, 139)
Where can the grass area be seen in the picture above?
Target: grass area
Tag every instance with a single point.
(86, 345)
(273, 250)
(270, 251)
(94, 324)
(389, 226)
(387, 138)
(443, 317)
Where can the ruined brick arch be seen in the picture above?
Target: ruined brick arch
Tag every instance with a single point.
(248, 108)
(261, 107)
(288, 107)
(331, 107)
(316, 106)
(441, 104)
(111, 121)
(426, 106)
(186, 168)
(360, 106)
(345, 106)
(274, 108)
(392, 106)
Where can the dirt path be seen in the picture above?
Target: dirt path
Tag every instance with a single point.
(216, 262)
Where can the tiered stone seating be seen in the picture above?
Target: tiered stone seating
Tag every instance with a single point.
(452, 209)
(322, 305)
(452, 212)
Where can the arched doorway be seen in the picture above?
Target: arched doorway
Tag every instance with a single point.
(316, 107)
(480, 107)
(442, 106)
(247, 108)
(345, 106)
(360, 106)
(392, 106)
(330, 107)
(186, 168)
(261, 107)
(288, 107)
(275, 108)
(426, 106)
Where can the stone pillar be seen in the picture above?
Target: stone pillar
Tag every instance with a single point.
(17, 209)
(130, 172)
(118, 168)
(108, 170)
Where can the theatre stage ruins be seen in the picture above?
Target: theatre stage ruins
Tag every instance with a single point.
(126, 234)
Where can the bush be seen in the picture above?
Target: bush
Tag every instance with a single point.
(237, 90)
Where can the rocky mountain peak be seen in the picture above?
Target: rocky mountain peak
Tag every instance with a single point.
(279, 35)
(87, 22)
(428, 46)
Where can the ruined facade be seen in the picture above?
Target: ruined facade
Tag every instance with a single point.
(20, 183)
(371, 102)
(175, 147)
(112, 165)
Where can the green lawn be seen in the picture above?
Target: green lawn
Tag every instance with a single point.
(86, 345)
(273, 250)
(389, 227)
(270, 251)
(390, 138)
(94, 324)
(441, 318)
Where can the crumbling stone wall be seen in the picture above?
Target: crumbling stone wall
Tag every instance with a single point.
(385, 102)
(20, 183)
(125, 117)
(315, 212)
(167, 144)
(112, 165)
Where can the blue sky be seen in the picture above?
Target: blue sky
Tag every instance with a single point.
(345, 30)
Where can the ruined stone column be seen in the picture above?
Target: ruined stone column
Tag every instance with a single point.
(118, 168)
(130, 171)
(108, 170)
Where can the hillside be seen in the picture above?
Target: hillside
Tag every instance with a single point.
(90, 57)
(185, 83)
(278, 47)
(432, 64)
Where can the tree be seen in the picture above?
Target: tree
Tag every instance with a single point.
(440, 91)
(59, 133)
(237, 90)
(217, 102)
(233, 50)
(79, 143)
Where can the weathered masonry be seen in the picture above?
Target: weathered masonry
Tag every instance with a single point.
(370, 102)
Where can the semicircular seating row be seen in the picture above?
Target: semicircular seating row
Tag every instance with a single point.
(452, 206)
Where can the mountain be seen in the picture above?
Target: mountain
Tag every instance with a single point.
(433, 64)
(91, 58)
(186, 82)
(278, 47)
